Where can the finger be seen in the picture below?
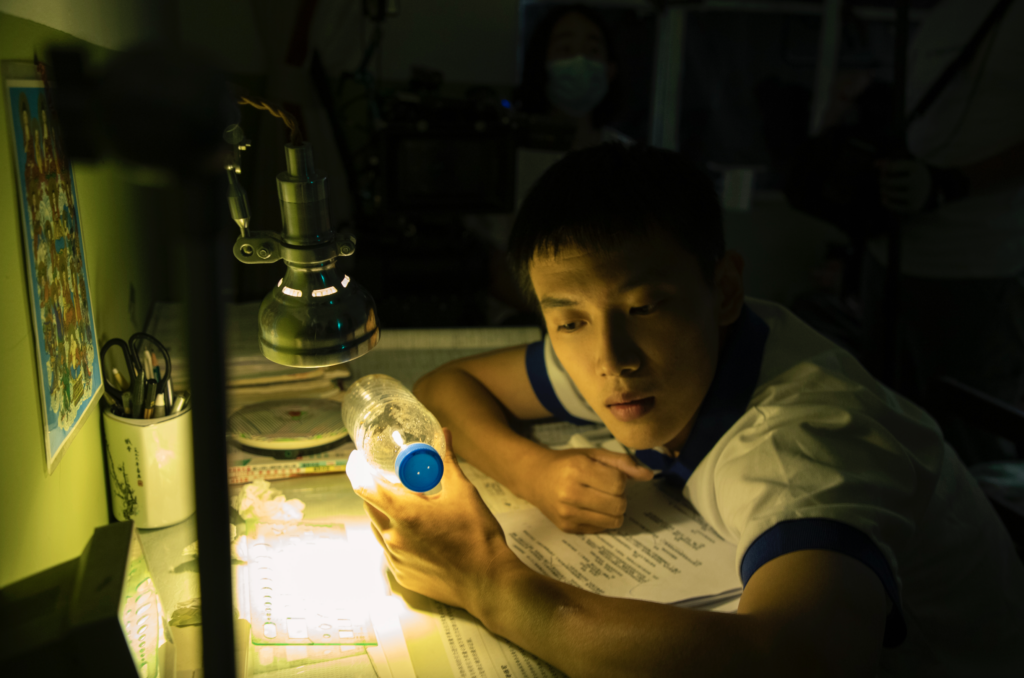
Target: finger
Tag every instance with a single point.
(377, 517)
(596, 501)
(600, 477)
(360, 473)
(389, 557)
(621, 462)
(379, 537)
(370, 486)
(452, 470)
(586, 521)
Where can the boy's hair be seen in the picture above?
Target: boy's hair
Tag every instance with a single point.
(599, 198)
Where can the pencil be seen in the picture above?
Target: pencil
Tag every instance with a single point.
(147, 364)
(122, 384)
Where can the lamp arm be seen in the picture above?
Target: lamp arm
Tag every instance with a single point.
(266, 247)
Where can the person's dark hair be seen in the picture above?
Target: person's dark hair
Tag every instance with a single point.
(598, 198)
(532, 92)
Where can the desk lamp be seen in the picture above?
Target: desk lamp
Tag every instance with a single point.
(113, 112)
(315, 316)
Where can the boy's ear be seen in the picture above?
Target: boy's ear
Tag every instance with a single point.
(729, 287)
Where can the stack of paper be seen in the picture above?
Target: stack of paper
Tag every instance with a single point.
(664, 552)
(250, 377)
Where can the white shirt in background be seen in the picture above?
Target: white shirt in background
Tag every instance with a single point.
(979, 113)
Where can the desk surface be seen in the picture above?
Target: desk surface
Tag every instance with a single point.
(407, 355)
(328, 498)
(418, 649)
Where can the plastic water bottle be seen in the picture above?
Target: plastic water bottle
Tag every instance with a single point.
(398, 435)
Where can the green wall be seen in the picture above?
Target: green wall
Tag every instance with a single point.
(48, 519)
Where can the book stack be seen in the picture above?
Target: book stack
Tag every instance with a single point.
(245, 467)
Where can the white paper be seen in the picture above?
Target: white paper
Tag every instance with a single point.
(664, 552)
(496, 496)
(475, 652)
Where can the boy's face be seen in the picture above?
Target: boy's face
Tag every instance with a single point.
(638, 331)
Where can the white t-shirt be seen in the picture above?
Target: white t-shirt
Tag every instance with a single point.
(797, 447)
(979, 114)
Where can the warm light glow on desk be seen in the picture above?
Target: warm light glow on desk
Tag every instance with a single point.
(313, 585)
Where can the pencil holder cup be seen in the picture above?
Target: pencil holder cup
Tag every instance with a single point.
(150, 466)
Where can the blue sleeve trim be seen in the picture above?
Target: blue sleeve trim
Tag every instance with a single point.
(537, 371)
(831, 535)
(672, 470)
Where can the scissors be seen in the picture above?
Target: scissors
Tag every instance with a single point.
(140, 387)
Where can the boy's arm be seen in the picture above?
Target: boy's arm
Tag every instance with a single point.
(807, 613)
(579, 490)
(804, 613)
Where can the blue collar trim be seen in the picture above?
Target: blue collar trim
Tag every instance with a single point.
(737, 375)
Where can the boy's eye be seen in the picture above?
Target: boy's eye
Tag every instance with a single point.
(568, 327)
(642, 310)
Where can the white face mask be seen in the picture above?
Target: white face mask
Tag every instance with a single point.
(576, 85)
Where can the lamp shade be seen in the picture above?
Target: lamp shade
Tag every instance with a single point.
(316, 317)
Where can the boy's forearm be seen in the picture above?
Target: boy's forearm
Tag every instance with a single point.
(585, 634)
(480, 428)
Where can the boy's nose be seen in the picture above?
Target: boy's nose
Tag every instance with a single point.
(618, 353)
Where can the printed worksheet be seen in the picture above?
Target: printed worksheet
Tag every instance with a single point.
(496, 496)
(664, 552)
(474, 652)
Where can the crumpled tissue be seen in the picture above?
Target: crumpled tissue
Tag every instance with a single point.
(259, 501)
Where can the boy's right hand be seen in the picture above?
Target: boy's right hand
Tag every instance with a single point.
(583, 490)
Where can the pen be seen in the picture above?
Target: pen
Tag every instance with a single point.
(147, 363)
(168, 392)
(149, 399)
(122, 384)
(158, 411)
(181, 402)
(126, 403)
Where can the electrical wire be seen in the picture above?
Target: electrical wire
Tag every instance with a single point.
(287, 118)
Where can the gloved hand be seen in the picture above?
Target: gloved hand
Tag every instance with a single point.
(910, 186)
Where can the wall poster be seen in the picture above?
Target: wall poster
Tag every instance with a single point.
(68, 362)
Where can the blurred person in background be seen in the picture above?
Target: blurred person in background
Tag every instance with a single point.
(569, 74)
(569, 80)
(961, 291)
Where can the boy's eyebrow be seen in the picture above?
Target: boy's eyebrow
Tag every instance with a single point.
(641, 279)
(556, 302)
(645, 278)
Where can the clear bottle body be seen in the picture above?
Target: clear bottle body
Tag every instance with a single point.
(383, 417)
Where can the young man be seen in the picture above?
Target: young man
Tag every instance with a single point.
(863, 544)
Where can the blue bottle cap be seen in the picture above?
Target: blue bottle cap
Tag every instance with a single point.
(419, 467)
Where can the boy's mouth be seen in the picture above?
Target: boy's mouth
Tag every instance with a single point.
(628, 410)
